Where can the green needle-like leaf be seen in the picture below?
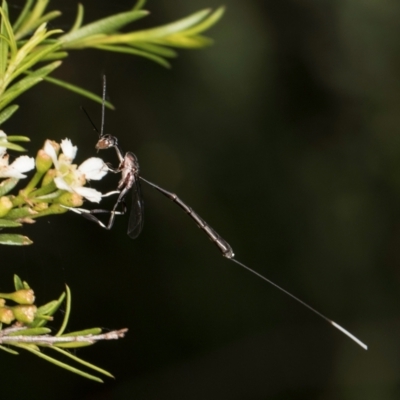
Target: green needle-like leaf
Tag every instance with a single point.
(5, 114)
(26, 83)
(78, 90)
(91, 331)
(3, 37)
(32, 18)
(155, 49)
(18, 283)
(26, 346)
(26, 286)
(4, 44)
(6, 223)
(139, 5)
(72, 345)
(7, 185)
(59, 363)
(21, 212)
(57, 55)
(7, 31)
(48, 309)
(18, 89)
(79, 18)
(130, 50)
(48, 17)
(22, 16)
(38, 10)
(15, 353)
(36, 57)
(206, 23)
(149, 35)
(85, 363)
(31, 332)
(14, 239)
(11, 146)
(16, 138)
(67, 312)
(190, 42)
(103, 26)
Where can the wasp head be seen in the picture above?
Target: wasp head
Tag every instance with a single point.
(106, 141)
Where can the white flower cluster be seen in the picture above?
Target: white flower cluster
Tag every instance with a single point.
(72, 178)
(69, 177)
(15, 169)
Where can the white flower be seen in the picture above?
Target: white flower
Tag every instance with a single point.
(51, 152)
(16, 169)
(3, 137)
(93, 168)
(72, 178)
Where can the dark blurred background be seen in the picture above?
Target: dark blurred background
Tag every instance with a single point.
(284, 137)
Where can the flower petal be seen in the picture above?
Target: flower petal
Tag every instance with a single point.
(9, 172)
(3, 138)
(51, 152)
(23, 164)
(68, 149)
(61, 184)
(4, 160)
(93, 168)
(90, 194)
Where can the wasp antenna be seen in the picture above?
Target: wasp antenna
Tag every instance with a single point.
(90, 119)
(103, 106)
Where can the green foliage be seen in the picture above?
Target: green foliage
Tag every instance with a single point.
(27, 42)
(32, 336)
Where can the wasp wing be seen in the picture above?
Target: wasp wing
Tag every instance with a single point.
(136, 217)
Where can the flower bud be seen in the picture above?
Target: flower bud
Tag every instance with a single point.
(24, 313)
(23, 296)
(56, 209)
(43, 161)
(70, 199)
(40, 207)
(49, 177)
(5, 205)
(6, 315)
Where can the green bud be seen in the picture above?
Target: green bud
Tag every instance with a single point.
(23, 296)
(6, 315)
(49, 177)
(70, 199)
(40, 207)
(5, 205)
(24, 313)
(43, 161)
(57, 209)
